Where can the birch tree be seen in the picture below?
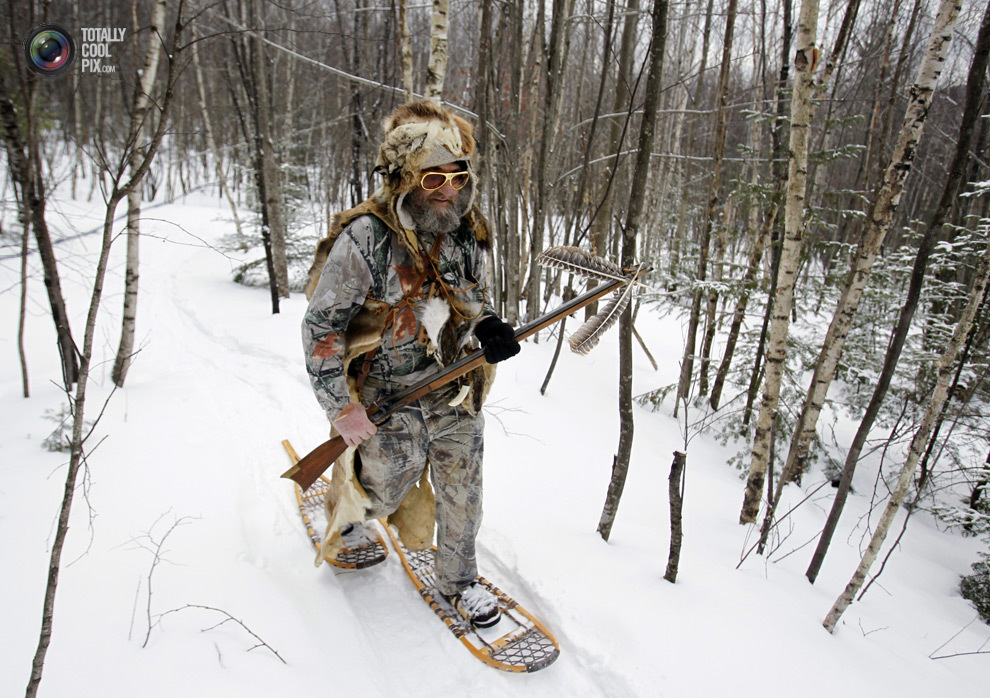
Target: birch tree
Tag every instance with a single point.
(405, 49)
(119, 190)
(141, 101)
(797, 174)
(975, 86)
(879, 220)
(945, 365)
(437, 68)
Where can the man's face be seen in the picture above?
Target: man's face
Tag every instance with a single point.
(438, 210)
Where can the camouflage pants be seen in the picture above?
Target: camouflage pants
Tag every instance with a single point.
(452, 441)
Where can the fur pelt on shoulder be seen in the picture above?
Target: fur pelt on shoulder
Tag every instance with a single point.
(383, 210)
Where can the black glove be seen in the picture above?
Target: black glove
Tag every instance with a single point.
(497, 339)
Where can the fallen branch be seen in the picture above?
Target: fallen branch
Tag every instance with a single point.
(227, 618)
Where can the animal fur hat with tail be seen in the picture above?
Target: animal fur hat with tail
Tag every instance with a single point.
(418, 136)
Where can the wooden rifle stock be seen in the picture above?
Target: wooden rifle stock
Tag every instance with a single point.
(315, 463)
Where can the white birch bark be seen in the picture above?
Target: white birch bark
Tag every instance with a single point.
(139, 115)
(436, 70)
(879, 221)
(405, 50)
(797, 175)
(946, 366)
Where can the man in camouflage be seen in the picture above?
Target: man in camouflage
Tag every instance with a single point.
(398, 288)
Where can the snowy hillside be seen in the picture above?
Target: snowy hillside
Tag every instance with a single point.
(189, 453)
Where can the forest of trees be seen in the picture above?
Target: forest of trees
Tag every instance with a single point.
(809, 183)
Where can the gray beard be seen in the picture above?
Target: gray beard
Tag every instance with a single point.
(429, 219)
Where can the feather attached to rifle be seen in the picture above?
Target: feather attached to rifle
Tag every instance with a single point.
(591, 332)
(577, 261)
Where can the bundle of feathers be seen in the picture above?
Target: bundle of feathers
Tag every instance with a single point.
(587, 265)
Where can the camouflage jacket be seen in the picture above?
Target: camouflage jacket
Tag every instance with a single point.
(368, 272)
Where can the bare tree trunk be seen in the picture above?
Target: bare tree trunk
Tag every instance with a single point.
(25, 219)
(601, 223)
(556, 60)
(481, 77)
(874, 145)
(975, 86)
(77, 453)
(801, 113)
(687, 360)
(145, 82)
(939, 396)
(711, 316)
(270, 171)
(583, 176)
(211, 140)
(683, 64)
(620, 465)
(819, 93)
(701, 275)
(676, 494)
(23, 152)
(437, 68)
(880, 218)
(739, 313)
(77, 117)
(879, 133)
(510, 183)
(514, 243)
(254, 76)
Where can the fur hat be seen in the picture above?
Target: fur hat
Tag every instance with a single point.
(420, 135)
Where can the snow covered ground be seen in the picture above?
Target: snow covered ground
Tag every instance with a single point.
(189, 458)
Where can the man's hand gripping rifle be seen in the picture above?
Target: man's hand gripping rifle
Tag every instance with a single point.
(571, 259)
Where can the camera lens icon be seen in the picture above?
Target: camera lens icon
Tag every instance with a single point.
(49, 49)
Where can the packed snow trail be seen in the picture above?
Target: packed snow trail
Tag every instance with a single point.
(190, 455)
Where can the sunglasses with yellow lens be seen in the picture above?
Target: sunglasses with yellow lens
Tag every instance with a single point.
(434, 180)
